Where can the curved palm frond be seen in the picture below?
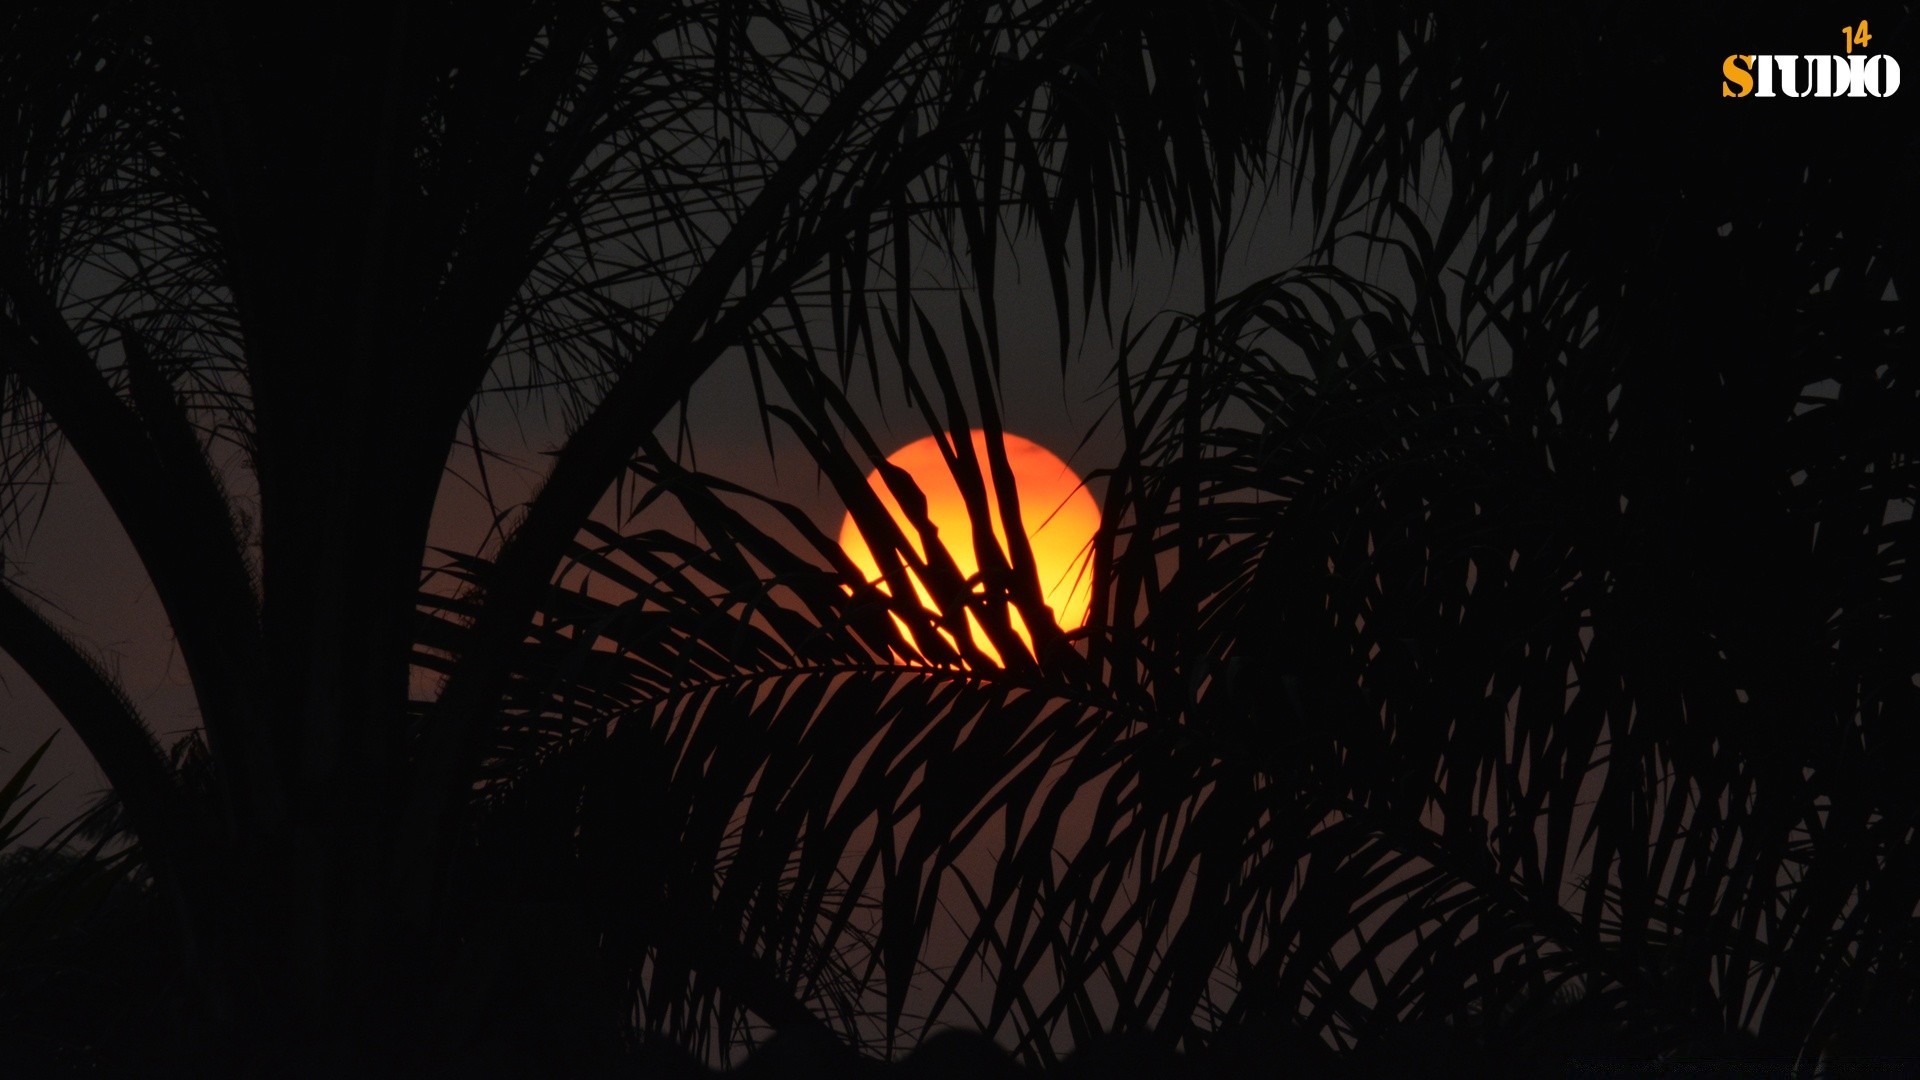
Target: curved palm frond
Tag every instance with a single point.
(1386, 724)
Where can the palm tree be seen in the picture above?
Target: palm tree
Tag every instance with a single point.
(1504, 667)
(324, 245)
(1501, 664)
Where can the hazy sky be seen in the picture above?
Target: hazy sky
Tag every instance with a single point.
(80, 565)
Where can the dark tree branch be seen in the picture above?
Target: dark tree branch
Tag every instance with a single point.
(155, 475)
(100, 714)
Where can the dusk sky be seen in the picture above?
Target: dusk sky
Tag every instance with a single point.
(79, 559)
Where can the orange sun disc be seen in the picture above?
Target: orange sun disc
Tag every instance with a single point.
(1057, 511)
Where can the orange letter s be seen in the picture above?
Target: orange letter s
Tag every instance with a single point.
(1738, 72)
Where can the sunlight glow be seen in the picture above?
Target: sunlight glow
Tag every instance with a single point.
(1059, 514)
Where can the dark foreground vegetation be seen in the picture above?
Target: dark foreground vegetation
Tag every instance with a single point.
(1503, 662)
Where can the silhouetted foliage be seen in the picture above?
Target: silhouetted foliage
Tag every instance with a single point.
(1503, 659)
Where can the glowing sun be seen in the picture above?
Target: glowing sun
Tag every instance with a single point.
(1056, 510)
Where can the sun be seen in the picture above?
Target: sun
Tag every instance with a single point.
(1057, 511)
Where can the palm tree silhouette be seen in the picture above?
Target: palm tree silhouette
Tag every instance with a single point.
(1495, 662)
(325, 241)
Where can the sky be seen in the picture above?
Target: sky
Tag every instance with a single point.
(81, 567)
